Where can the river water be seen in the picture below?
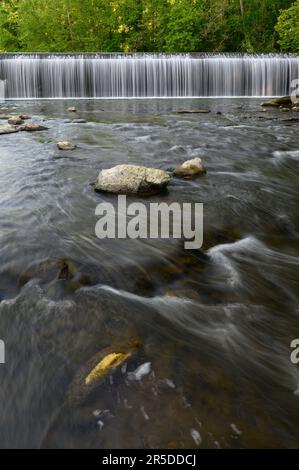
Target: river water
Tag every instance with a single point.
(214, 325)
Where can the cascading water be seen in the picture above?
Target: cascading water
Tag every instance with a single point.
(151, 76)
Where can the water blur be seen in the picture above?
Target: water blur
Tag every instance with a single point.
(146, 75)
(215, 325)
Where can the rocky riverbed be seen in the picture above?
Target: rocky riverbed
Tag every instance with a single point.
(140, 343)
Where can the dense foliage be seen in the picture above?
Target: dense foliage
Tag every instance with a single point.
(149, 25)
(288, 28)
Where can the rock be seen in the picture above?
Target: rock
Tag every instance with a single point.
(24, 117)
(72, 110)
(15, 121)
(190, 169)
(79, 121)
(276, 102)
(5, 117)
(64, 145)
(183, 294)
(131, 179)
(32, 127)
(296, 109)
(193, 111)
(7, 129)
(284, 110)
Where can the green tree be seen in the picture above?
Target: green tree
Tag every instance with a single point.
(288, 28)
(184, 26)
(9, 19)
(148, 25)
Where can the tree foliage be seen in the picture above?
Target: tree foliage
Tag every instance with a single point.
(288, 28)
(148, 25)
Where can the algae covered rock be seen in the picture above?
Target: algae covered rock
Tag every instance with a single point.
(277, 102)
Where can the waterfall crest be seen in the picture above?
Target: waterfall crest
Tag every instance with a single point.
(150, 76)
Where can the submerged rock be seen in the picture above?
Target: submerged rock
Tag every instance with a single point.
(79, 121)
(65, 145)
(277, 102)
(101, 365)
(131, 179)
(193, 111)
(190, 169)
(72, 109)
(7, 129)
(32, 127)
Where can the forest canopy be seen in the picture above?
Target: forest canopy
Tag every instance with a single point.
(149, 26)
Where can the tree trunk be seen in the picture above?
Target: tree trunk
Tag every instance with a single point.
(242, 7)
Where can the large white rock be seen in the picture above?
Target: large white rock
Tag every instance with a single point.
(131, 179)
(190, 169)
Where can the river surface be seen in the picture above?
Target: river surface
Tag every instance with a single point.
(214, 325)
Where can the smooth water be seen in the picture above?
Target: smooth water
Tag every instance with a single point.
(146, 75)
(215, 325)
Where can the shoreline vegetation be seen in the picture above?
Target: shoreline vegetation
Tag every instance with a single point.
(169, 26)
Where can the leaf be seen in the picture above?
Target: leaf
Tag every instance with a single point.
(111, 361)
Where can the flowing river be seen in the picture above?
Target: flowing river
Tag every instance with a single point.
(214, 326)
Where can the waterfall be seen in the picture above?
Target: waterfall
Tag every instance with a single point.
(146, 75)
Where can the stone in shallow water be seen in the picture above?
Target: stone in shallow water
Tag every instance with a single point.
(5, 117)
(131, 179)
(193, 111)
(275, 103)
(79, 121)
(32, 128)
(15, 121)
(65, 145)
(7, 129)
(24, 117)
(190, 169)
(72, 109)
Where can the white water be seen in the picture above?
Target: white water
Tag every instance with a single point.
(149, 76)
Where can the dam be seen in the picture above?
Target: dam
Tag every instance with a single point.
(59, 76)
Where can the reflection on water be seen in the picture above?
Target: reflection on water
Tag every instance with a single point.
(213, 367)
